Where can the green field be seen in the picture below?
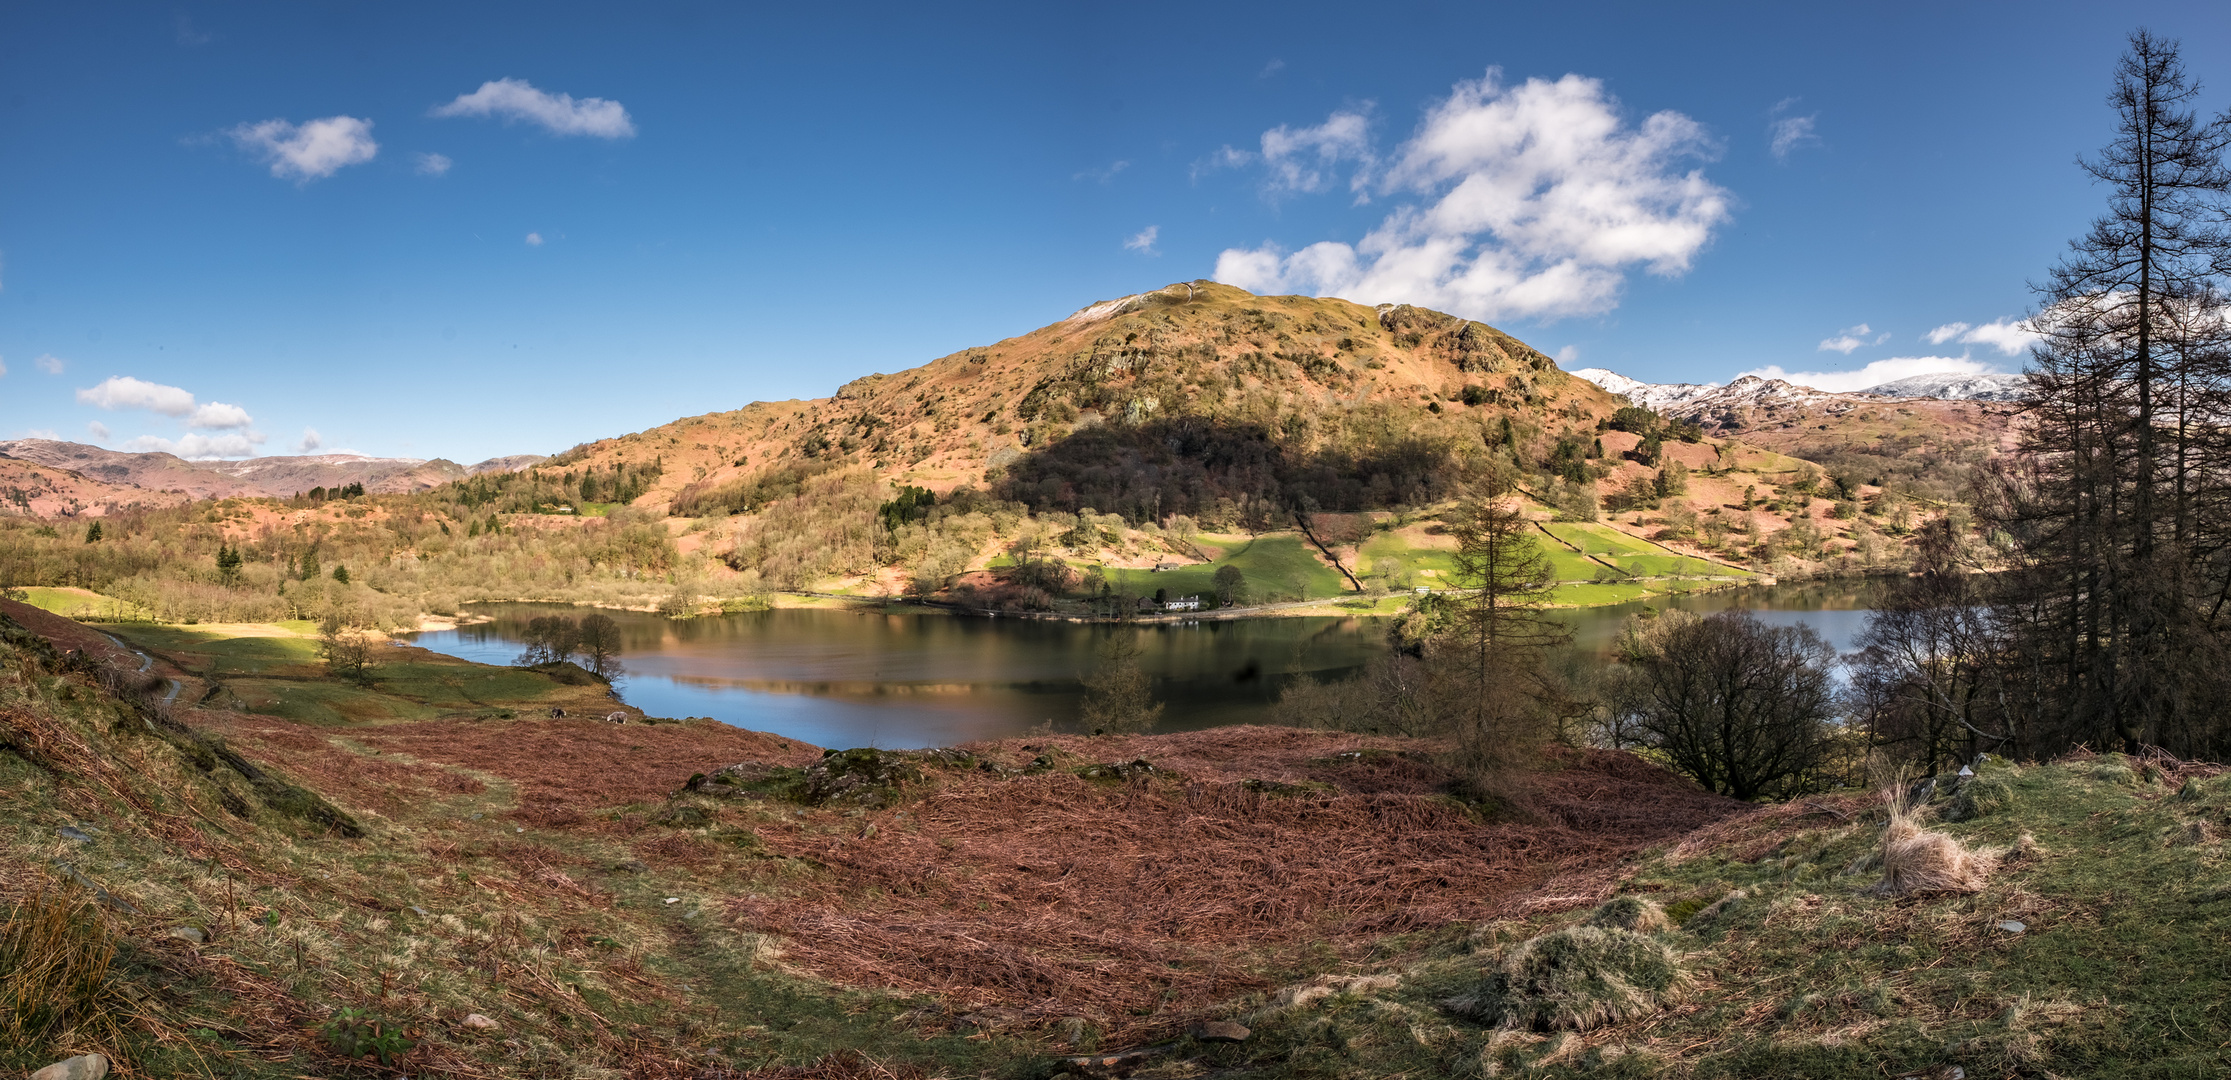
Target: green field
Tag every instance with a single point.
(1598, 595)
(1390, 545)
(82, 604)
(1282, 567)
(276, 671)
(1639, 558)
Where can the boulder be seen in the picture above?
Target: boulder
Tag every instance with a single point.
(82, 1067)
(193, 934)
(477, 1022)
(1223, 1031)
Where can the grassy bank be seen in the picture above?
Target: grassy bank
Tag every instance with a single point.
(2095, 949)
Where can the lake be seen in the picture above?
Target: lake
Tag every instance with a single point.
(841, 678)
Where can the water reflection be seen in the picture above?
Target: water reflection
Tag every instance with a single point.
(839, 678)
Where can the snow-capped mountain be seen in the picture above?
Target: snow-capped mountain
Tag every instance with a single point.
(1655, 396)
(1751, 390)
(1956, 387)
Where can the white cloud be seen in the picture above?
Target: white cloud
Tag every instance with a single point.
(98, 429)
(2009, 336)
(49, 363)
(310, 440)
(432, 164)
(1225, 157)
(1785, 133)
(1567, 355)
(1874, 374)
(1303, 159)
(1541, 199)
(516, 99)
(217, 416)
(199, 447)
(534, 239)
(1852, 337)
(39, 433)
(310, 151)
(1274, 67)
(1102, 175)
(1144, 242)
(125, 392)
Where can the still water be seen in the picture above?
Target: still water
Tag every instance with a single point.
(838, 678)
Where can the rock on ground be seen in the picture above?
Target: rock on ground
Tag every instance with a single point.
(82, 1067)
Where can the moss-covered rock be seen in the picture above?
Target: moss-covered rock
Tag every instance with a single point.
(1630, 912)
(1118, 771)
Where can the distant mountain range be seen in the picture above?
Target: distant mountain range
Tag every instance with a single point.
(1941, 413)
(1750, 391)
(262, 476)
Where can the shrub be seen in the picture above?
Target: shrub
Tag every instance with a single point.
(354, 1033)
(1577, 978)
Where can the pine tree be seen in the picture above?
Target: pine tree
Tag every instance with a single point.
(2116, 501)
(1499, 697)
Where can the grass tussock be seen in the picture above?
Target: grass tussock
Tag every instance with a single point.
(1577, 978)
(1634, 913)
(55, 953)
(1920, 862)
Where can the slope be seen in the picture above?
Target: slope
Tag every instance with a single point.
(2093, 949)
(40, 490)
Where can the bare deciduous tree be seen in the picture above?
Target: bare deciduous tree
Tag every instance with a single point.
(1740, 706)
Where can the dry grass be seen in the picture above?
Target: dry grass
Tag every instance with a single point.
(1924, 862)
(55, 953)
(1141, 903)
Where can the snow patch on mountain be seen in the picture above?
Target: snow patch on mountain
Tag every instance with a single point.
(1655, 396)
(1957, 386)
(1752, 391)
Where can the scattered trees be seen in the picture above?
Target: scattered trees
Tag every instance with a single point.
(594, 639)
(2114, 509)
(549, 639)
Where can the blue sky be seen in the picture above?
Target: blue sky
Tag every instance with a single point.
(487, 229)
